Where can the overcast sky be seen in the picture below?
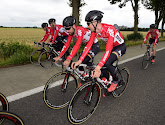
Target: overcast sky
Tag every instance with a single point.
(21, 13)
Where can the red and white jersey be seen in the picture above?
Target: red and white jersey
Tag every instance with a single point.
(46, 35)
(154, 35)
(112, 37)
(83, 35)
(59, 30)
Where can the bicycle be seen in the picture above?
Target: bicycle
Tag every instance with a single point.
(62, 84)
(36, 53)
(46, 58)
(147, 56)
(86, 99)
(5, 114)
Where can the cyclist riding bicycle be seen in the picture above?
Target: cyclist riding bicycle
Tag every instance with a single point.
(83, 35)
(153, 40)
(115, 46)
(58, 35)
(48, 31)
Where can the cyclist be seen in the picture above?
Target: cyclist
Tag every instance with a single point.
(154, 39)
(58, 35)
(83, 35)
(115, 46)
(48, 31)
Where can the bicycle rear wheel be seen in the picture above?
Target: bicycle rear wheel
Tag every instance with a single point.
(59, 90)
(4, 105)
(11, 118)
(34, 57)
(146, 60)
(123, 76)
(46, 59)
(84, 102)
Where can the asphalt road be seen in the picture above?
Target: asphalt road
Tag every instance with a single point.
(143, 103)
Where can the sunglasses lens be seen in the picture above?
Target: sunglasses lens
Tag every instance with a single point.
(88, 24)
(67, 28)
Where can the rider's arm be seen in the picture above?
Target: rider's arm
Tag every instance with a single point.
(66, 46)
(108, 49)
(51, 34)
(76, 47)
(146, 37)
(88, 46)
(55, 35)
(157, 36)
(45, 37)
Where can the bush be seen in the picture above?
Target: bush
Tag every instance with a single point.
(135, 36)
(14, 53)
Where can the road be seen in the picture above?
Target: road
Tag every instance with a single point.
(142, 103)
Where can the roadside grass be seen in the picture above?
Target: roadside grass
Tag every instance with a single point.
(16, 44)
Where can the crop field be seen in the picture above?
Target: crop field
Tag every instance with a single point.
(29, 35)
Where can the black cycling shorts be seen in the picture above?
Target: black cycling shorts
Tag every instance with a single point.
(151, 41)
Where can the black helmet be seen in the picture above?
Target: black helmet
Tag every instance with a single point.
(69, 21)
(51, 20)
(94, 15)
(152, 26)
(43, 25)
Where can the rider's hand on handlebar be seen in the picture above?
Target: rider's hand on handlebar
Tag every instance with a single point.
(57, 59)
(96, 72)
(75, 64)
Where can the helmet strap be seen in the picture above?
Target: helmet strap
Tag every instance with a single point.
(95, 26)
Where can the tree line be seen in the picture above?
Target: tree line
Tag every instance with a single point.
(158, 6)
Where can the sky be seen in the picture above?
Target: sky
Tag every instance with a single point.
(29, 13)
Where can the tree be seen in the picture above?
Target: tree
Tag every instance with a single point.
(76, 5)
(135, 7)
(159, 7)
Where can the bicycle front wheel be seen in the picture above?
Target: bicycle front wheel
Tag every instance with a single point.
(84, 102)
(146, 60)
(34, 57)
(123, 76)
(4, 105)
(11, 118)
(59, 90)
(46, 59)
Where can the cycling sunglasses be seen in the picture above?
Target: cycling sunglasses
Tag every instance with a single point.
(88, 23)
(67, 28)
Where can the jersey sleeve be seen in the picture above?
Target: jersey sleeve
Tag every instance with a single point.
(146, 37)
(76, 46)
(45, 37)
(55, 35)
(108, 50)
(66, 46)
(88, 46)
(157, 36)
(51, 35)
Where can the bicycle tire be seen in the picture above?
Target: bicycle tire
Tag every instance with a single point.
(146, 60)
(4, 103)
(57, 97)
(34, 57)
(46, 59)
(123, 76)
(12, 117)
(79, 102)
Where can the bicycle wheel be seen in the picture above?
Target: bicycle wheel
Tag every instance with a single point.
(123, 76)
(146, 60)
(46, 59)
(59, 90)
(34, 57)
(84, 102)
(4, 105)
(11, 118)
